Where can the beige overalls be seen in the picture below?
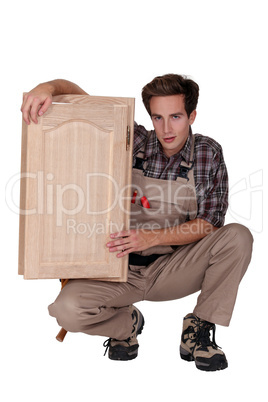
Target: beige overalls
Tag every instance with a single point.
(215, 264)
(171, 202)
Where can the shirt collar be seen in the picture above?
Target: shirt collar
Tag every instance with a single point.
(154, 147)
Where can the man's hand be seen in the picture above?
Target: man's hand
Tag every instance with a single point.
(129, 241)
(35, 103)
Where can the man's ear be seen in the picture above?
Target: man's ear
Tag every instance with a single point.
(192, 117)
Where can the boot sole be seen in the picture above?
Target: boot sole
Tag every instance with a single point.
(124, 353)
(214, 363)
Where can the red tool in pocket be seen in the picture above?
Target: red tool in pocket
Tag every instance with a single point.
(145, 202)
(134, 197)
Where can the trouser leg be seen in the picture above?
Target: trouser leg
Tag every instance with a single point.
(215, 265)
(96, 307)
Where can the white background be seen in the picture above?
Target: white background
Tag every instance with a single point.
(113, 48)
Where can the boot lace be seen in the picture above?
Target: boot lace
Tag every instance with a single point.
(108, 341)
(107, 344)
(203, 336)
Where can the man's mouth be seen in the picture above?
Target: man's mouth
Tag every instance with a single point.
(169, 139)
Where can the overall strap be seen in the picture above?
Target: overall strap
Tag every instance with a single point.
(184, 168)
(139, 158)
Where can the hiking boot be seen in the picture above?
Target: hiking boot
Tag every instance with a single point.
(128, 348)
(197, 346)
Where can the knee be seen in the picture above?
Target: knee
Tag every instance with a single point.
(241, 238)
(67, 310)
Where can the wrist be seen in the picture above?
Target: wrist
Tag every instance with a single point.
(51, 87)
(156, 237)
(60, 87)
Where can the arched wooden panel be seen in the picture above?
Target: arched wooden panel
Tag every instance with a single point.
(75, 163)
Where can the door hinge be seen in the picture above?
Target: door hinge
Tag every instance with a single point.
(128, 138)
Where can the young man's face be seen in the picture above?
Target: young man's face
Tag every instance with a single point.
(171, 122)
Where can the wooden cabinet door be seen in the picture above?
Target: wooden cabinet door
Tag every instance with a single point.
(75, 188)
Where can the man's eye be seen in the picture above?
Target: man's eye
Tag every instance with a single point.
(176, 117)
(157, 118)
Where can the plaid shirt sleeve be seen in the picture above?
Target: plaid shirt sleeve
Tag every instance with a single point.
(211, 182)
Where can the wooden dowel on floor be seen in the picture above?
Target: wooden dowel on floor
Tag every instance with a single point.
(61, 335)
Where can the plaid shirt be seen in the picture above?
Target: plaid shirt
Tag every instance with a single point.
(210, 174)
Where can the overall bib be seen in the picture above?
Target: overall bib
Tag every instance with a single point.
(171, 202)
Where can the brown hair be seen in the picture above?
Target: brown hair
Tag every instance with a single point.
(172, 84)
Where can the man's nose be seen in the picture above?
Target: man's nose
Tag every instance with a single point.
(166, 126)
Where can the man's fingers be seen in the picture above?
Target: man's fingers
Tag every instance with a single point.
(124, 233)
(23, 102)
(125, 252)
(34, 109)
(118, 245)
(34, 106)
(25, 108)
(45, 106)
